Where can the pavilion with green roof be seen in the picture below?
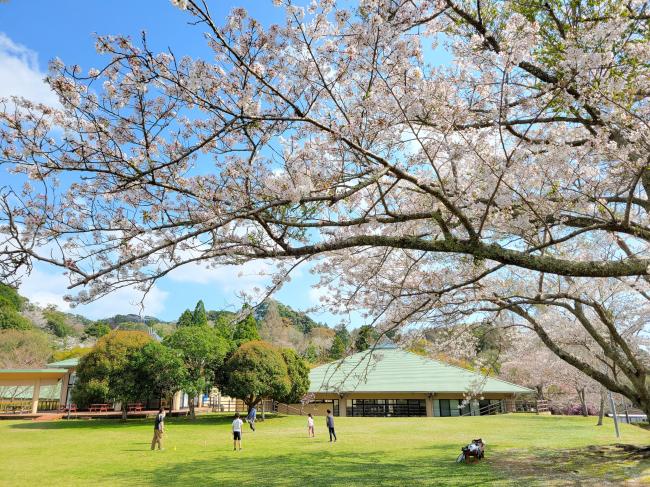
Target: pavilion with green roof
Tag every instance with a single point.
(51, 383)
(388, 381)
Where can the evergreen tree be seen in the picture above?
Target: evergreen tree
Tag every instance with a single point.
(199, 317)
(224, 325)
(337, 350)
(341, 342)
(246, 330)
(186, 319)
(365, 338)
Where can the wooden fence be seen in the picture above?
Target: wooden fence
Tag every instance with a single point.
(25, 405)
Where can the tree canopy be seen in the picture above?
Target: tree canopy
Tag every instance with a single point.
(186, 319)
(246, 329)
(256, 370)
(298, 373)
(157, 370)
(103, 374)
(13, 320)
(199, 318)
(202, 351)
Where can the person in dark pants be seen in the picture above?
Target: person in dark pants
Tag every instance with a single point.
(252, 414)
(329, 420)
(158, 429)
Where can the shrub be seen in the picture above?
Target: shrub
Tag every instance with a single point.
(11, 319)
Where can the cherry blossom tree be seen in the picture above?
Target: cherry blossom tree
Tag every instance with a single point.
(334, 137)
(598, 328)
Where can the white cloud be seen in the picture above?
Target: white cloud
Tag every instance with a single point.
(45, 288)
(229, 278)
(21, 75)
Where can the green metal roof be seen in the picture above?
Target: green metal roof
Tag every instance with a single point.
(389, 369)
(64, 364)
(31, 371)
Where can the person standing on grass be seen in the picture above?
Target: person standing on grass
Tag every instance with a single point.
(252, 413)
(310, 426)
(236, 432)
(329, 420)
(158, 429)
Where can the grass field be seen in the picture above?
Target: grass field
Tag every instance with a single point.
(522, 450)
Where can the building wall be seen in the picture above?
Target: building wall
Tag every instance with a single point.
(454, 399)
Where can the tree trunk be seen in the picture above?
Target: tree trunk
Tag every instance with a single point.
(583, 402)
(192, 412)
(601, 408)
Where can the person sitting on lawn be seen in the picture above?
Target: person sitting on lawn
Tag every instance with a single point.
(236, 432)
(252, 413)
(310, 426)
(329, 420)
(158, 429)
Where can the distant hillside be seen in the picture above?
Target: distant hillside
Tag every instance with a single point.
(113, 321)
(297, 318)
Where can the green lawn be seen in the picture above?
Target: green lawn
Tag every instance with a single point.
(521, 450)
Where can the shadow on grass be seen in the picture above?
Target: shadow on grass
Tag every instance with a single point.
(335, 468)
(591, 465)
(203, 420)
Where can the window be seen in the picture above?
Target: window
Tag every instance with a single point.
(386, 407)
(445, 407)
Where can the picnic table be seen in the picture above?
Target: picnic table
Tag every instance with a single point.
(99, 408)
(135, 407)
(72, 408)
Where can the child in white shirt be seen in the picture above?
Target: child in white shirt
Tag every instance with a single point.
(310, 426)
(236, 431)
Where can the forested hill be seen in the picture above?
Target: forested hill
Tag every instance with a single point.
(297, 318)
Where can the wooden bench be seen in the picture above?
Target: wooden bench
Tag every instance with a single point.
(135, 407)
(100, 408)
(72, 408)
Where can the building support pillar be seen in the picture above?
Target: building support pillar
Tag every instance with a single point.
(429, 405)
(36, 394)
(63, 399)
(343, 405)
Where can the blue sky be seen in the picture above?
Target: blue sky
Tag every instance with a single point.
(32, 33)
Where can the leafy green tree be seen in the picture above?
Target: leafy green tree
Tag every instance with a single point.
(298, 373)
(91, 391)
(203, 352)
(340, 343)
(337, 349)
(186, 319)
(366, 336)
(256, 370)
(199, 318)
(246, 330)
(9, 298)
(10, 319)
(58, 323)
(157, 369)
(22, 349)
(104, 370)
(224, 325)
(97, 329)
(311, 354)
